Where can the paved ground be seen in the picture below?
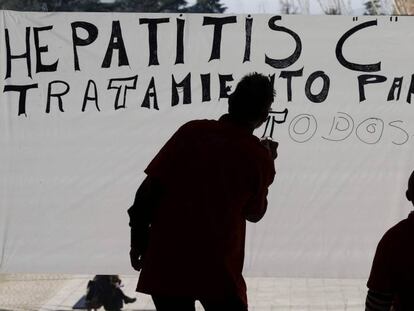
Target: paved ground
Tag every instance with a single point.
(48, 292)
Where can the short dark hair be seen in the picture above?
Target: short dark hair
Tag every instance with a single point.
(251, 96)
(410, 188)
(411, 181)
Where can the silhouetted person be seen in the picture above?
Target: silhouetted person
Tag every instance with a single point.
(105, 290)
(188, 219)
(391, 282)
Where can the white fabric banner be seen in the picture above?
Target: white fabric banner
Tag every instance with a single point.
(87, 100)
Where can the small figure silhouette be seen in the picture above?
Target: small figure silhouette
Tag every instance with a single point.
(391, 282)
(188, 220)
(105, 291)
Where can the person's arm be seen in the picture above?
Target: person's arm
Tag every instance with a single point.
(257, 205)
(376, 301)
(140, 218)
(160, 172)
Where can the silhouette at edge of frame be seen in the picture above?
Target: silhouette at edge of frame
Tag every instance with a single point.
(188, 219)
(105, 291)
(391, 281)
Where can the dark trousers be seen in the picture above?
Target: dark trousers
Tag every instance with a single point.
(165, 303)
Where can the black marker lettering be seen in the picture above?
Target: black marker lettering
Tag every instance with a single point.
(152, 37)
(42, 49)
(205, 86)
(224, 88)
(396, 86)
(348, 64)
(411, 89)
(58, 95)
(286, 62)
(94, 96)
(218, 23)
(150, 94)
(321, 96)
(248, 28)
(400, 129)
(185, 86)
(22, 90)
(370, 131)
(368, 79)
(25, 55)
(92, 31)
(179, 59)
(288, 76)
(116, 43)
(342, 127)
(302, 128)
(122, 85)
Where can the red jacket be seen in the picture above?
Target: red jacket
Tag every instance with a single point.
(215, 176)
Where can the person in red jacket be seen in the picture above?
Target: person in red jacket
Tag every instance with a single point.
(188, 220)
(391, 282)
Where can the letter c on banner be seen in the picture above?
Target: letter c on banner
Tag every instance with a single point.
(303, 127)
(348, 64)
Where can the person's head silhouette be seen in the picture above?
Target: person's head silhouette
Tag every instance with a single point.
(250, 103)
(410, 191)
